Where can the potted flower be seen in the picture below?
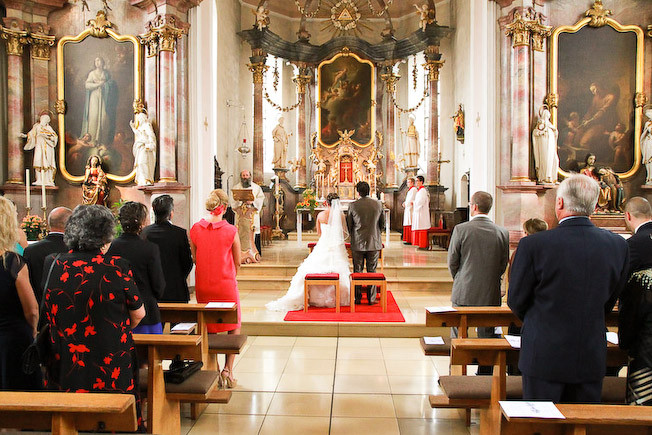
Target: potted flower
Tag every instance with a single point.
(34, 227)
(309, 201)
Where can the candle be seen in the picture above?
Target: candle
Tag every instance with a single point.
(43, 194)
(27, 192)
(276, 184)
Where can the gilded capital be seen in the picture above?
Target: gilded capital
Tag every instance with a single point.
(519, 30)
(390, 78)
(302, 80)
(433, 67)
(40, 46)
(258, 69)
(539, 34)
(162, 34)
(16, 40)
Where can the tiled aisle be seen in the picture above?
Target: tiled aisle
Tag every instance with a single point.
(322, 385)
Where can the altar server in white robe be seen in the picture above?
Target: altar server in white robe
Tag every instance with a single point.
(421, 215)
(407, 212)
(257, 203)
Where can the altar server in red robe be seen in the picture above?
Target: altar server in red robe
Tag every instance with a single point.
(407, 213)
(421, 215)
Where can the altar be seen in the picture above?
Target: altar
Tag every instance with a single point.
(345, 205)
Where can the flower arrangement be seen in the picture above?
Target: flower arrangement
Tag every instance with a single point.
(309, 201)
(33, 226)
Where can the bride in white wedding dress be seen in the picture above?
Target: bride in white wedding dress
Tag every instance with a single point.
(328, 256)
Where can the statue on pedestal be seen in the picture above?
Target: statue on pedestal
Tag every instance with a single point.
(646, 145)
(144, 150)
(95, 189)
(412, 146)
(544, 139)
(281, 139)
(43, 140)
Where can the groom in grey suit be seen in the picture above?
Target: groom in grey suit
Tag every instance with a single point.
(365, 219)
(477, 258)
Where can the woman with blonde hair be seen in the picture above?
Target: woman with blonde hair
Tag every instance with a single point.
(215, 247)
(18, 306)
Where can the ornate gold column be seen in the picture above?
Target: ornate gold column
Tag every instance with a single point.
(40, 43)
(303, 79)
(390, 78)
(14, 31)
(433, 65)
(258, 68)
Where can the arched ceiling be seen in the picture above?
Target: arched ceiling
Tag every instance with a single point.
(288, 8)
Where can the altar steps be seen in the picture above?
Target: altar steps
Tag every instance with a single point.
(312, 236)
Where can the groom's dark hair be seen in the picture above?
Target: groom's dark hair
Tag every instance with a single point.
(363, 188)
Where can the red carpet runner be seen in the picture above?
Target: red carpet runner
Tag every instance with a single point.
(363, 313)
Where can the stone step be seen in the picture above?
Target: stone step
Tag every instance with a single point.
(278, 270)
(313, 237)
(394, 283)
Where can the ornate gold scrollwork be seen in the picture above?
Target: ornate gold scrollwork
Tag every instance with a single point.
(390, 78)
(649, 30)
(16, 40)
(150, 41)
(552, 100)
(162, 34)
(139, 106)
(60, 106)
(519, 30)
(598, 14)
(40, 46)
(640, 99)
(433, 67)
(99, 25)
(302, 80)
(539, 34)
(258, 69)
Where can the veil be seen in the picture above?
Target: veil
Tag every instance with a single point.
(337, 232)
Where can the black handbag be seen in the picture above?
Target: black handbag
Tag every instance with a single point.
(180, 370)
(38, 353)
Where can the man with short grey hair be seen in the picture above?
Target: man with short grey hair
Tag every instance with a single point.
(562, 283)
(477, 258)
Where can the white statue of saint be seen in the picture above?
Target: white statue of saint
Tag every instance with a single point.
(280, 145)
(544, 138)
(42, 139)
(646, 145)
(412, 146)
(144, 149)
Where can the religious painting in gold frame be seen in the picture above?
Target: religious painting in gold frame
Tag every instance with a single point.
(345, 100)
(99, 90)
(596, 92)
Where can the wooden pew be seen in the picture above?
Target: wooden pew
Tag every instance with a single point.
(163, 409)
(211, 345)
(498, 353)
(584, 419)
(67, 413)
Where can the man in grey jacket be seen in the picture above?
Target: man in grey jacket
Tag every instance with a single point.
(477, 258)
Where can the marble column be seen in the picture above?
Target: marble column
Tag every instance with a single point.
(303, 80)
(540, 33)
(519, 30)
(15, 33)
(390, 78)
(433, 64)
(183, 121)
(258, 68)
(40, 44)
(505, 100)
(151, 73)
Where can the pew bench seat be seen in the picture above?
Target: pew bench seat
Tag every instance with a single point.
(475, 391)
(436, 349)
(67, 413)
(226, 343)
(201, 387)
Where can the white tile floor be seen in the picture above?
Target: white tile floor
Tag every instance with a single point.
(315, 385)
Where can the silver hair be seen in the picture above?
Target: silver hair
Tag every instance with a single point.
(580, 194)
(89, 228)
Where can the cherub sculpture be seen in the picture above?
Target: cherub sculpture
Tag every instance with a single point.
(426, 15)
(262, 16)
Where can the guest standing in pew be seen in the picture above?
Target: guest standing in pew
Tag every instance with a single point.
(563, 282)
(174, 248)
(145, 261)
(477, 258)
(18, 307)
(635, 311)
(52, 244)
(215, 247)
(91, 303)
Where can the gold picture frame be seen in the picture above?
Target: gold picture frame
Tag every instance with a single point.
(598, 17)
(364, 127)
(124, 106)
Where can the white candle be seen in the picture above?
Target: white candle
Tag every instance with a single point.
(277, 181)
(27, 185)
(45, 206)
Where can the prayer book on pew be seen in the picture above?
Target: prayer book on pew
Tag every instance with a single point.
(220, 305)
(183, 328)
(433, 340)
(522, 409)
(440, 309)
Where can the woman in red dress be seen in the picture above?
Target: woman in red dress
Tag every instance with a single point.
(215, 249)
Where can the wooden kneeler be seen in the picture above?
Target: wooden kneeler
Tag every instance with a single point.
(321, 279)
(377, 279)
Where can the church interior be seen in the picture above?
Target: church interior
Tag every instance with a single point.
(112, 101)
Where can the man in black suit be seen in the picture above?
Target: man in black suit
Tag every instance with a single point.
(52, 244)
(638, 218)
(365, 220)
(562, 283)
(174, 247)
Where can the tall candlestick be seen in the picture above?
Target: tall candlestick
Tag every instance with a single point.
(43, 194)
(27, 186)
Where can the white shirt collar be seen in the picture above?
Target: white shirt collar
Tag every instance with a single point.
(570, 217)
(55, 232)
(636, 230)
(480, 215)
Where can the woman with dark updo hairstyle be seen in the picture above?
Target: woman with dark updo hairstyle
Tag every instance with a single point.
(145, 260)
